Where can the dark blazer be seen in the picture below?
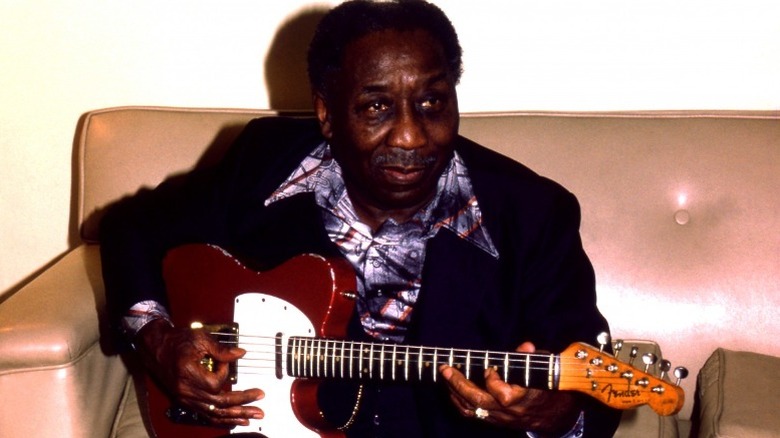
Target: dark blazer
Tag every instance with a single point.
(540, 289)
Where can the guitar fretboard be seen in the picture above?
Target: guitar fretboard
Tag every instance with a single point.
(327, 358)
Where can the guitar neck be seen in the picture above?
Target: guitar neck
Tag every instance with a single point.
(337, 359)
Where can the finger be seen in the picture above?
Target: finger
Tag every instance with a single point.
(504, 393)
(471, 396)
(232, 414)
(526, 347)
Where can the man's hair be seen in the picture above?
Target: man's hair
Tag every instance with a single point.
(354, 19)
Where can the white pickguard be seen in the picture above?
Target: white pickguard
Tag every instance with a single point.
(260, 319)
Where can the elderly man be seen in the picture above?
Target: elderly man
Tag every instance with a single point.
(453, 245)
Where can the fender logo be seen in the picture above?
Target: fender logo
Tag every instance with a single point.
(618, 394)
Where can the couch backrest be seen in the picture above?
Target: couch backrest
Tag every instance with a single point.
(681, 211)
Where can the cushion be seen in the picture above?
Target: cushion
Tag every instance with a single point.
(739, 394)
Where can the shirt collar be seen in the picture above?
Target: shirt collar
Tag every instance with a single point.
(454, 207)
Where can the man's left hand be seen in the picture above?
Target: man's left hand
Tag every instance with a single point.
(543, 412)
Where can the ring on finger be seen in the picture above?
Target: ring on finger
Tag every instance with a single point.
(212, 408)
(481, 414)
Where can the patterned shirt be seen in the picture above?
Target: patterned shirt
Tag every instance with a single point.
(388, 262)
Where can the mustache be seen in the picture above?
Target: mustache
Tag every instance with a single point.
(402, 158)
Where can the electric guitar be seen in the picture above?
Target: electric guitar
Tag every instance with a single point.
(292, 322)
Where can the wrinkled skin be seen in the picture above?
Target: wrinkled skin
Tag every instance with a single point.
(174, 354)
(392, 123)
(548, 413)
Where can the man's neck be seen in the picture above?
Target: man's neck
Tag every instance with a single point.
(375, 217)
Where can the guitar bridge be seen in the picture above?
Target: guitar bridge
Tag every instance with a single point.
(225, 334)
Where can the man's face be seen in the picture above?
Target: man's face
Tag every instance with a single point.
(391, 120)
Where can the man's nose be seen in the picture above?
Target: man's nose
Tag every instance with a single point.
(408, 130)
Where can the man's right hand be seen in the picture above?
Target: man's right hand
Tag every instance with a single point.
(174, 355)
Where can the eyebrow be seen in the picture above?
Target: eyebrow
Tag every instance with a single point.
(378, 88)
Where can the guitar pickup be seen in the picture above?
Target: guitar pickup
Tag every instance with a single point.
(225, 334)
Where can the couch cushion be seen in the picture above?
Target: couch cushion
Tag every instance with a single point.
(739, 395)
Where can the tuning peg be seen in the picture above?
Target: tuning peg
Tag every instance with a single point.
(603, 340)
(618, 346)
(664, 366)
(680, 373)
(649, 359)
(633, 354)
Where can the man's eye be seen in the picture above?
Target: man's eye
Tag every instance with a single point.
(377, 107)
(431, 103)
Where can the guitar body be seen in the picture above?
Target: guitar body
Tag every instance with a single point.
(306, 296)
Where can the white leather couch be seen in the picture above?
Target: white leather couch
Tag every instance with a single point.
(681, 218)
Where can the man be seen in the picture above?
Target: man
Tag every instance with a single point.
(453, 245)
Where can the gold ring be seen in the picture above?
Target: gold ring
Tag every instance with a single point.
(481, 413)
(211, 408)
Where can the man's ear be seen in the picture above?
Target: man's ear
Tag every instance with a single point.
(323, 115)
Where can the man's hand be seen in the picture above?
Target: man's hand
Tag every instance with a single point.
(544, 412)
(174, 356)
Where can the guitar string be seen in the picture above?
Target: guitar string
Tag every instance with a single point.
(477, 356)
(458, 353)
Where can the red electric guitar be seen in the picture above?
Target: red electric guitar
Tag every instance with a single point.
(292, 319)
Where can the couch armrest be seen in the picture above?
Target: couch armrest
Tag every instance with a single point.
(738, 395)
(57, 375)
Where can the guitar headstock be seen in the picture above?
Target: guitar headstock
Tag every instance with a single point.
(618, 384)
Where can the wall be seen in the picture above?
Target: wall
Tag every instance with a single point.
(60, 59)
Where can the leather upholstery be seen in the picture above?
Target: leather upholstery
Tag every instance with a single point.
(680, 219)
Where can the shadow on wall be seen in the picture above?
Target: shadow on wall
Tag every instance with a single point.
(285, 66)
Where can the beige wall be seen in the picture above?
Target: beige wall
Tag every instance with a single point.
(59, 59)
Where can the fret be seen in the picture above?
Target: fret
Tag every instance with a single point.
(304, 353)
(312, 357)
(487, 360)
(550, 373)
(316, 357)
(371, 361)
(527, 370)
(299, 361)
(420, 363)
(332, 357)
(322, 354)
(452, 356)
(406, 364)
(292, 357)
(394, 364)
(360, 361)
(351, 355)
(506, 367)
(319, 357)
(468, 364)
(341, 362)
(303, 347)
(293, 363)
(435, 361)
(306, 362)
(556, 374)
(382, 363)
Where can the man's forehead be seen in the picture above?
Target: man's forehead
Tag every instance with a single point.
(374, 55)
